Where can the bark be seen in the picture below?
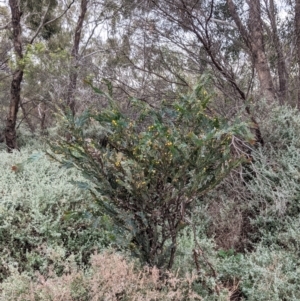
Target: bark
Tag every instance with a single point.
(254, 40)
(10, 130)
(15, 90)
(297, 31)
(281, 67)
(74, 55)
(26, 117)
(43, 120)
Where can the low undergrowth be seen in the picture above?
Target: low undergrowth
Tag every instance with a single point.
(242, 242)
(110, 277)
(44, 218)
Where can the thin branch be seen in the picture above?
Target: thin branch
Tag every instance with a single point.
(42, 24)
(88, 40)
(243, 30)
(222, 22)
(92, 53)
(5, 26)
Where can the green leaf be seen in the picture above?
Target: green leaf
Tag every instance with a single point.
(81, 185)
(82, 119)
(109, 86)
(35, 157)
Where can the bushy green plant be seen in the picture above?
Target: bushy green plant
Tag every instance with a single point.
(150, 167)
(216, 278)
(280, 126)
(44, 218)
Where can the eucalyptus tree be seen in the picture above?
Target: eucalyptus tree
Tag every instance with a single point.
(253, 38)
(5, 48)
(167, 44)
(29, 20)
(75, 56)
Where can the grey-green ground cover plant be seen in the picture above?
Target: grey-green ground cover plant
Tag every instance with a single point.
(44, 218)
(274, 196)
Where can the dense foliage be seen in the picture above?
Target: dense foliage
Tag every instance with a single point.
(150, 168)
(52, 227)
(154, 190)
(44, 219)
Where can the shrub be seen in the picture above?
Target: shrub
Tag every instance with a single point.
(263, 275)
(44, 218)
(266, 195)
(273, 190)
(149, 169)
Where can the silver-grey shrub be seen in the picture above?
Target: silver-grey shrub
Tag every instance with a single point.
(44, 218)
(271, 194)
(275, 184)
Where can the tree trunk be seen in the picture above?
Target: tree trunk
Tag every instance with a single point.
(26, 117)
(297, 31)
(281, 67)
(254, 40)
(10, 130)
(258, 51)
(74, 54)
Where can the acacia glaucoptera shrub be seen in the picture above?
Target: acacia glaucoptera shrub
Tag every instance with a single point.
(148, 167)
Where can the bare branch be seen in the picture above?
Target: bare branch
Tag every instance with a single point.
(92, 53)
(222, 22)
(51, 21)
(5, 26)
(41, 24)
(238, 22)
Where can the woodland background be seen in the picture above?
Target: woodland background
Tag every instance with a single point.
(150, 150)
